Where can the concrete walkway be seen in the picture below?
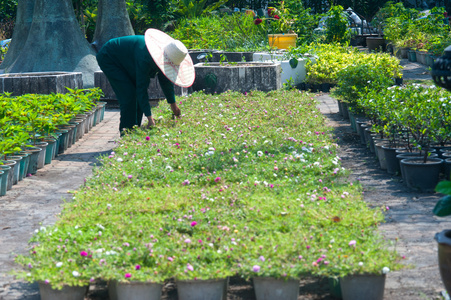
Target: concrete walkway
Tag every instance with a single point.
(36, 201)
(409, 218)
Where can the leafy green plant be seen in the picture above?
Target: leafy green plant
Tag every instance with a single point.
(196, 8)
(337, 26)
(12, 138)
(443, 207)
(330, 59)
(235, 32)
(279, 20)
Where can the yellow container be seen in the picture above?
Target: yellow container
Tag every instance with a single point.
(283, 40)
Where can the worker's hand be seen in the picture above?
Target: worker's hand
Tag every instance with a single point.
(176, 110)
(150, 123)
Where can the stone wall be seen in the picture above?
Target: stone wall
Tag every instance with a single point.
(39, 82)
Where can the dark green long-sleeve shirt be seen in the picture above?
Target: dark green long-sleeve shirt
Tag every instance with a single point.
(131, 53)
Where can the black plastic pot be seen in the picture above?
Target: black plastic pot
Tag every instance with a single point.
(444, 257)
(393, 166)
(403, 155)
(420, 175)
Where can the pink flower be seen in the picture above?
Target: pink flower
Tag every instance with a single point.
(137, 267)
(187, 241)
(261, 258)
(170, 258)
(84, 253)
(257, 21)
(189, 267)
(352, 243)
(128, 275)
(193, 223)
(147, 138)
(130, 176)
(276, 17)
(217, 179)
(256, 268)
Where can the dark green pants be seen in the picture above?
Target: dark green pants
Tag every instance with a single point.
(124, 88)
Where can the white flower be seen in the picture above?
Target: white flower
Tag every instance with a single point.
(75, 273)
(259, 153)
(168, 168)
(100, 226)
(220, 105)
(108, 205)
(160, 117)
(120, 159)
(385, 270)
(360, 264)
(42, 228)
(76, 227)
(59, 264)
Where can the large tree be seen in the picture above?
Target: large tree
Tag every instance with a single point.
(112, 21)
(55, 43)
(24, 19)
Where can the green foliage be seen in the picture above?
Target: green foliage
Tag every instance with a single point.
(25, 119)
(357, 79)
(235, 32)
(303, 20)
(330, 59)
(409, 28)
(443, 206)
(7, 10)
(195, 8)
(337, 26)
(415, 114)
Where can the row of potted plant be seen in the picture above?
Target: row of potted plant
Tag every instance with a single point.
(410, 118)
(233, 188)
(34, 129)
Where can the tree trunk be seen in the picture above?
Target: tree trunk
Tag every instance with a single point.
(56, 43)
(24, 17)
(112, 21)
